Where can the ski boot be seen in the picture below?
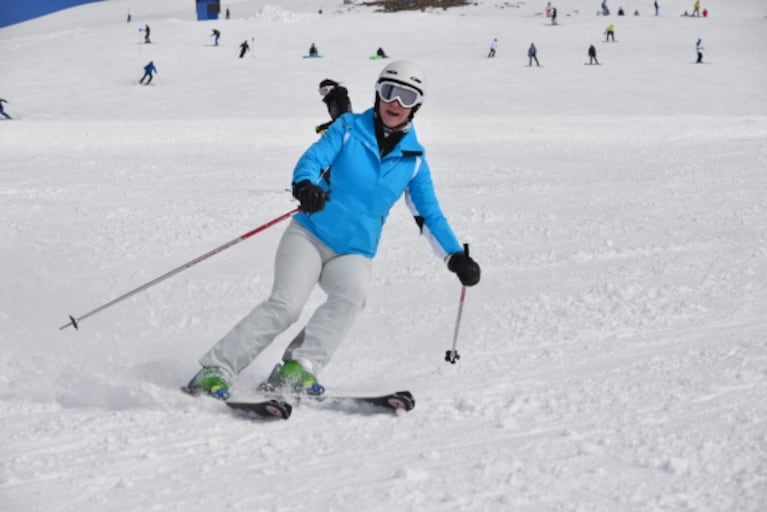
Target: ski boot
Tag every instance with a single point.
(294, 376)
(211, 381)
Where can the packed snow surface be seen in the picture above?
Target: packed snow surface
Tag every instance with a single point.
(613, 357)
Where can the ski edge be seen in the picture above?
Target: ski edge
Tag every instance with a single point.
(273, 408)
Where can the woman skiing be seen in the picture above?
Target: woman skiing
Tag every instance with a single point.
(376, 158)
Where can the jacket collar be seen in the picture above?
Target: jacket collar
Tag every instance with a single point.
(365, 130)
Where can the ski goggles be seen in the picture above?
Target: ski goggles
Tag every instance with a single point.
(407, 96)
(326, 89)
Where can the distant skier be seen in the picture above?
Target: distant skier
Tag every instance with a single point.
(313, 52)
(381, 53)
(216, 35)
(610, 33)
(605, 10)
(696, 8)
(699, 49)
(2, 111)
(149, 71)
(227, 13)
(336, 98)
(657, 8)
(554, 16)
(532, 55)
(146, 34)
(493, 46)
(593, 55)
(244, 47)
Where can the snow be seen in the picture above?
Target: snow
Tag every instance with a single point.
(613, 358)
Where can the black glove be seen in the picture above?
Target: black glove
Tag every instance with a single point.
(311, 196)
(321, 128)
(465, 268)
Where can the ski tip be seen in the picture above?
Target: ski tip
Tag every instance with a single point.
(279, 409)
(401, 401)
(452, 356)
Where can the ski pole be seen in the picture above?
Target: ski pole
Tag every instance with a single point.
(74, 322)
(452, 356)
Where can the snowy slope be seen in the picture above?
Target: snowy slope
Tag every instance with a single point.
(614, 356)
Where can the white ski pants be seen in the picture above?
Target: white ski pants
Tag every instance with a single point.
(301, 262)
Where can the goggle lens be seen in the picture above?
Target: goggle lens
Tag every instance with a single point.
(325, 90)
(391, 91)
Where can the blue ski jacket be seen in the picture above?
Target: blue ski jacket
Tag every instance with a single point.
(363, 187)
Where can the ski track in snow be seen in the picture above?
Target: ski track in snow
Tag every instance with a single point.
(614, 356)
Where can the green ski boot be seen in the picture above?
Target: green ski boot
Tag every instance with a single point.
(295, 376)
(212, 381)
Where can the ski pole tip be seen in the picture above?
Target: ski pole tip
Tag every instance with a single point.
(452, 356)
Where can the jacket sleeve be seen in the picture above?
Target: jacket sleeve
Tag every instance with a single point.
(322, 153)
(424, 205)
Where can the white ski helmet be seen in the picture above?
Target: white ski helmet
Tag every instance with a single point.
(404, 72)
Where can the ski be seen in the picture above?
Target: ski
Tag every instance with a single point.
(273, 408)
(389, 402)
(274, 405)
(269, 408)
(397, 401)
